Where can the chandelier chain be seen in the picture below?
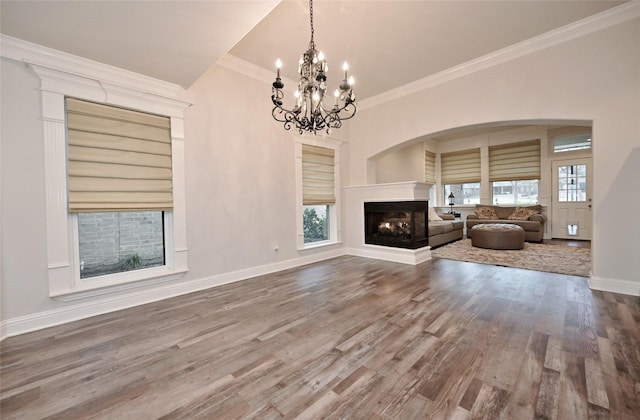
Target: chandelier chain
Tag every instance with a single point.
(312, 44)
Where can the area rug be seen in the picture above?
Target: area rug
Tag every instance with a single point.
(560, 259)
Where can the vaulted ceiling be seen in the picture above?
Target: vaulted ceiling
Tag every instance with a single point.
(387, 43)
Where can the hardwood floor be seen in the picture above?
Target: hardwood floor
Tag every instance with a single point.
(345, 338)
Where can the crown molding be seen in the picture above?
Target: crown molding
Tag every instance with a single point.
(608, 18)
(55, 61)
(241, 66)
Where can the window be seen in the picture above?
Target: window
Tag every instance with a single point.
(460, 167)
(460, 175)
(514, 161)
(316, 223)
(572, 142)
(318, 169)
(74, 195)
(115, 242)
(510, 193)
(467, 193)
(118, 159)
(318, 183)
(514, 172)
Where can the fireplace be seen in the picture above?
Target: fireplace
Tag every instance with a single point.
(400, 224)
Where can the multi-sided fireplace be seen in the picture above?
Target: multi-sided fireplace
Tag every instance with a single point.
(401, 224)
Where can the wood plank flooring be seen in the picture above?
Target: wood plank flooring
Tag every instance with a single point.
(345, 338)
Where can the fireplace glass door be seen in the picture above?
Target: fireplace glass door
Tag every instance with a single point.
(401, 224)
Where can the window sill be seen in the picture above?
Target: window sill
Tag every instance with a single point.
(88, 288)
(317, 245)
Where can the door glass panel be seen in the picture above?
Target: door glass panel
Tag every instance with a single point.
(572, 183)
(563, 195)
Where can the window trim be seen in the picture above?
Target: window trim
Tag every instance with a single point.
(335, 231)
(110, 86)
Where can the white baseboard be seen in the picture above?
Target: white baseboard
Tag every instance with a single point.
(401, 255)
(625, 287)
(94, 307)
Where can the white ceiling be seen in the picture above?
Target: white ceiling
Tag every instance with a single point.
(175, 41)
(387, 43)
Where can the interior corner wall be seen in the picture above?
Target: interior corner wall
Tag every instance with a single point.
(594, 77)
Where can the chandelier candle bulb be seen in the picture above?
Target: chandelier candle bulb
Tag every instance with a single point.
(278, 66)
(345, 67)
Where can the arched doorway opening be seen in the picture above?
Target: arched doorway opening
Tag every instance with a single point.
(563, 189)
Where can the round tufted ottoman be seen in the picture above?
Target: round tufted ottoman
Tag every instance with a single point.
(497, 236)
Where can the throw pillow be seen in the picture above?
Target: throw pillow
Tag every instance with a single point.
(486, 213)
(433, 216)
(522, 213)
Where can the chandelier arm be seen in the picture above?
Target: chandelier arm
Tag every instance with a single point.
(334, 119)
(348, 108)
(284, 116)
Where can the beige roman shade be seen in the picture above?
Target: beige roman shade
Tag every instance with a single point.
(318, 182)
(429, 167)
(460, 167)
(514, 161)
(118, 159)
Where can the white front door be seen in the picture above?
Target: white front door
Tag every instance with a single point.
(571, 203)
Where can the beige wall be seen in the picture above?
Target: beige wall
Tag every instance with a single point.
(403, 164)
(239, 176)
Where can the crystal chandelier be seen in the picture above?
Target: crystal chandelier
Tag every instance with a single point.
(310, 112)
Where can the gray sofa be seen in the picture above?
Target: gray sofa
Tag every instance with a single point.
(533, 225)
(445, 231)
